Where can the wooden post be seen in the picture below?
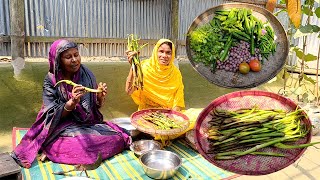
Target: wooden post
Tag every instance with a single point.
(175, 23)
(17, 35)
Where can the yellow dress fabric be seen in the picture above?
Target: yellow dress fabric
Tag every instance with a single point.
(162, 85)
(163, 88)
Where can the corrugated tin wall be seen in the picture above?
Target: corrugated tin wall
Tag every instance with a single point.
(5, 48)
(149, 19)
(92, 19)
(98, 19)
(4, 17)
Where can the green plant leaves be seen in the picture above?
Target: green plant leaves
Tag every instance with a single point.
(317, 12)
(306, 30)
(307, 78)
(310, 2)
(307, 57)
(310, 27)
(306, 10)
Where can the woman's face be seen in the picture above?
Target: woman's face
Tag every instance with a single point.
(164, 54)
(70, 60)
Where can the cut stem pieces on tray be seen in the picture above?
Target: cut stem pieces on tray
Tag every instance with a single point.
(160, 121)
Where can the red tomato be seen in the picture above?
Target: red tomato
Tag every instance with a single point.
(244, 68)
(255, 65)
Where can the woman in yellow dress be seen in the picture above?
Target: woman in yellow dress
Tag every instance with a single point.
(162, 83)
(162, 80)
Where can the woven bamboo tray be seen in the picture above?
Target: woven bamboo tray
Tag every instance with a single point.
(147, 127)
(249, 164)
(270, 68)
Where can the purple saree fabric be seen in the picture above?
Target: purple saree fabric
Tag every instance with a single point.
(83, 132)
(81, 144)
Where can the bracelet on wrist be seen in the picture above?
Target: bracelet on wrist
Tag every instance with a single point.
(68, 110)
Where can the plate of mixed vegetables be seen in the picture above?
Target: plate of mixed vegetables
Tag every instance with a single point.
(237, 45)
(252, 132)
(159, 121)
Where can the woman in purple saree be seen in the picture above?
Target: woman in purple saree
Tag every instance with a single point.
(69, 128)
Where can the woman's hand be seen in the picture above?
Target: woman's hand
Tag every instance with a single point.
(77, 92)
(103, 87)
(129, 88)
(129, 83)
(130, 55)
(102, 95)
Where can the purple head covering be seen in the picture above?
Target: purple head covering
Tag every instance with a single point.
(53, 53)
(56, 49)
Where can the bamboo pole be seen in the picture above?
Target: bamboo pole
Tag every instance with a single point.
(175, 23)
(17, 35)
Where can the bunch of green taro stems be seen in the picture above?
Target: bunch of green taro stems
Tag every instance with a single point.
(133, 45)
(161, 121)
(233, 134)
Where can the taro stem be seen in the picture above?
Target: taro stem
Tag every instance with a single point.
(284, 146)
(253, 153)
(74, 84)
(233, 155)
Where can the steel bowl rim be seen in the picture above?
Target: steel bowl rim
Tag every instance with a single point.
(174, 169)
(143, 140)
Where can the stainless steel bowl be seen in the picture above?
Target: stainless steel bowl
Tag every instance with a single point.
(160, 164)
(143, 146)
(125, 122)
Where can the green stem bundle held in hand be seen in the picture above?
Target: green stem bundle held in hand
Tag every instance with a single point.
(74, 84)
(232, 134)
(133, 45)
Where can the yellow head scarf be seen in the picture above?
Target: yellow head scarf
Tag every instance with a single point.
(163, 86)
